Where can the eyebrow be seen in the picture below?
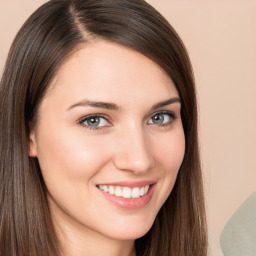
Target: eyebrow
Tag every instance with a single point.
(95, 104)
(166, 102)
(113, 106)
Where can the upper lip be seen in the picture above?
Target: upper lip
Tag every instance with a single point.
(130, 184)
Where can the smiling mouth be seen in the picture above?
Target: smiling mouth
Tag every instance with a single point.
(125, 192)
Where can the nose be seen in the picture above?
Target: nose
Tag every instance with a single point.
(133, 152)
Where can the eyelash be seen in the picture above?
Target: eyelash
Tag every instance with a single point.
(171, 115)
(86, 118)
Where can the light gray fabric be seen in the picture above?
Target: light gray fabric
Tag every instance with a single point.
(238, 237)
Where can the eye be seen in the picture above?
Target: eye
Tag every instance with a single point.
(94, 121)
(163, 118)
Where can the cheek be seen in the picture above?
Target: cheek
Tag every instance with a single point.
(67, 156)
(171, 151)
(169, 155)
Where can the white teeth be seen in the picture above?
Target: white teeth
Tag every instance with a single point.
(105, 188)
(142, 191)
(125, 192)
(111, 190)
(135, 192)
(118, 192)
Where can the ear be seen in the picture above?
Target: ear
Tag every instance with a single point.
(32, 144)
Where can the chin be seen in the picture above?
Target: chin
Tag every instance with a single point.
(130, 232)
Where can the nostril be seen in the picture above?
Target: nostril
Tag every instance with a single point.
(136, 166)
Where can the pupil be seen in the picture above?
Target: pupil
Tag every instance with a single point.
(94, 121)
(158, 118)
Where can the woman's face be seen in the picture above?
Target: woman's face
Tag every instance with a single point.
(109, 141)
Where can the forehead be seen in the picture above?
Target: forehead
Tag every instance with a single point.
(104, 70)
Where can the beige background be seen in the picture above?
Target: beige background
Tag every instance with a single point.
(221, 40)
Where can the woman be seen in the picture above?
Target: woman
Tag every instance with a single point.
(98, 125)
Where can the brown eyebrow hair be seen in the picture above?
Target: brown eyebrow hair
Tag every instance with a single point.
(96, 104)
(165, 103)
(113, 106)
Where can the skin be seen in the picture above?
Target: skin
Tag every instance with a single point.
(128, 146)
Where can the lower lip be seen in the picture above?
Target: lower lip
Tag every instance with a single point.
(130, 203)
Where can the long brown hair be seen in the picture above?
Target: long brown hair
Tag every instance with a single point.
(46, 39)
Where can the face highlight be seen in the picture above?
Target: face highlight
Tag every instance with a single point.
(109, 141)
